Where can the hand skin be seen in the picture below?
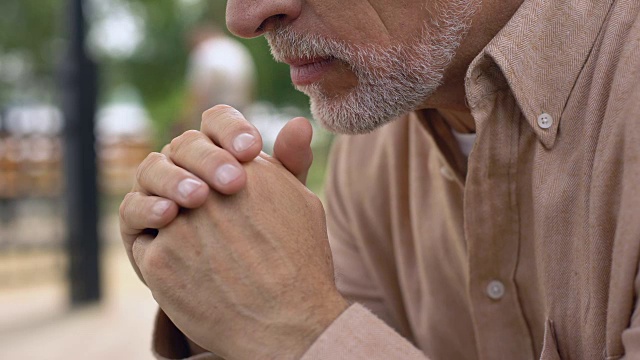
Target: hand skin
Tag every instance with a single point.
(248, 276)
(155, 198)
(138, 211)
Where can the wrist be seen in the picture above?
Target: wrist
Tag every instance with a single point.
(317, 323)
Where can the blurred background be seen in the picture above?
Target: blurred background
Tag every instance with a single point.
(87, 89)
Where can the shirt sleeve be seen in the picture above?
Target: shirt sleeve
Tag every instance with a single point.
(169, 343)
(357, 334)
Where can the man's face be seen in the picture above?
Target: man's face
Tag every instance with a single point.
(362, 63)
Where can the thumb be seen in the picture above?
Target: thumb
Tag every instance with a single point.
(293, 147)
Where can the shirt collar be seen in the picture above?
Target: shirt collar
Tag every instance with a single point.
(540, 53)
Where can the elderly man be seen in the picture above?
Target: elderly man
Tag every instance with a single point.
(526, 247)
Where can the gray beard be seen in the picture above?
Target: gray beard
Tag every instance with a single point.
(391, 81)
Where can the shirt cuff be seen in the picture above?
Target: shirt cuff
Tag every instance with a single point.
(357, 334)
(170, 343)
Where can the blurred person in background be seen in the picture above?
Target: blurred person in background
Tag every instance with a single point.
(482, 204)
(220, 71)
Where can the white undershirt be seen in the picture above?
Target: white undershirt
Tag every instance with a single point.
(465, 141)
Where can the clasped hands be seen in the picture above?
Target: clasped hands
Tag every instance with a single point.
(230, 242)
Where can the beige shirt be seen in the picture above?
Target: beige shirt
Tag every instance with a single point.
(531, 252)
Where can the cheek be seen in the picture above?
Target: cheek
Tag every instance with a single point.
(355, 22)
(365, 22)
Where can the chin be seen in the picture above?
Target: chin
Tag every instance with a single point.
(341, 118)
(363, 110)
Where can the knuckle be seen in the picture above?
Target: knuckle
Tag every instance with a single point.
(175, 142)
(230, 130)
(166, 150)
(215, 112)
(233, 120)
(316, 204)
(126, 207)
(147, 165)
(186, 138)
(186, 143)
(312, 202)
(218, 157)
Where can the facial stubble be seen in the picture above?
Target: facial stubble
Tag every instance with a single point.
(392, 81)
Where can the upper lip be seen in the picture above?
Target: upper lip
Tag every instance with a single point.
(304, 61)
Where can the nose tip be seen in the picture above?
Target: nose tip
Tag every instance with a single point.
(251, 18)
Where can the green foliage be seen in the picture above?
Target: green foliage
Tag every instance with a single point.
(27, 26)
(156, 69)
(27, 34)
(36, 31)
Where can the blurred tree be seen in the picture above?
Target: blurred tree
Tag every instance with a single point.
(158, 67)
(28, 46)
(31, 44)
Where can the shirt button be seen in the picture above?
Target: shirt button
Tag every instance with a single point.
(495, 290)
(545, 121)
(446, 173)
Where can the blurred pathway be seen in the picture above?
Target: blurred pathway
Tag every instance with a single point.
(35, 322)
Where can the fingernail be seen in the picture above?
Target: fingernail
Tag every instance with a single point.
(187, 186)
(243, 141)
(227, 173)
(161, 207)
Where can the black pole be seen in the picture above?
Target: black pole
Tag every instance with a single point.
(79, 94)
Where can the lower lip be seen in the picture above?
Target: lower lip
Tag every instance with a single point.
(309, 73)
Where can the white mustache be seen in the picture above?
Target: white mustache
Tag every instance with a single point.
(287, 44)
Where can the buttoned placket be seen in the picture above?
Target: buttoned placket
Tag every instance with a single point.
(492, 225)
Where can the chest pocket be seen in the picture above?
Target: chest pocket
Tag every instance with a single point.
(550, 345)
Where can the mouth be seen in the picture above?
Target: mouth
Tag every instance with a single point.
(307, 71)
